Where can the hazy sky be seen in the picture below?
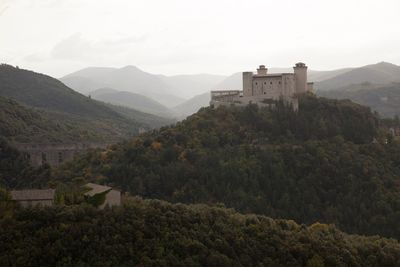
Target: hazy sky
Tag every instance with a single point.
(203, 36)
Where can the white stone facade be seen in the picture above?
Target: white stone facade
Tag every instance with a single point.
(263, 88)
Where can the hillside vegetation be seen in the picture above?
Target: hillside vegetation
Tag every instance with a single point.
(318, 164)
(22, 124)
(385, 99)
(16, 172)
(58, 113)
(155, 233)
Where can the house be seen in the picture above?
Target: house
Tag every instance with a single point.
(112, 197)
(263, 88)
(33, 197)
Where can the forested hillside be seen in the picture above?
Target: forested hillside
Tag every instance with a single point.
(155, 233)
(58, 113)
(19, 123)
(317, 164)
(385, 99)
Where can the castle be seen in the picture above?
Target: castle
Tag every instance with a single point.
(263, 88)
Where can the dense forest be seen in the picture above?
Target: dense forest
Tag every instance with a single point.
(156, 233)
(328, 162)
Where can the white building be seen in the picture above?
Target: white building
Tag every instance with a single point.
(263, 88)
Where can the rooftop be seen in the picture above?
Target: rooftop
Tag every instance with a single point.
(96, 189)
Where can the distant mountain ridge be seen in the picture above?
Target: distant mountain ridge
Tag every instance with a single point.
(380, 73)
(128, 78)
(196, 87)
(131, 100)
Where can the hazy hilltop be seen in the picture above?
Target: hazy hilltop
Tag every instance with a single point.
(188, 86)
(131, 100)
(380, 73)
(65, 105)
(129, 78)
(192, 105)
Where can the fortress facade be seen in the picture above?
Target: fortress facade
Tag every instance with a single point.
(263, 88)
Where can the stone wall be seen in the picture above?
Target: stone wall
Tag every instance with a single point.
(54, 154)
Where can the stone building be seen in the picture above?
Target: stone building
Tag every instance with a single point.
(33, 197)
(52, 153)
(112, 197)
(263, 88)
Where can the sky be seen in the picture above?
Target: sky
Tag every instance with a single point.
(172, 37)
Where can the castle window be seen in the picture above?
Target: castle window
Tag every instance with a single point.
(265, 82)
(265, 93)
(256, 83)
(270, 82)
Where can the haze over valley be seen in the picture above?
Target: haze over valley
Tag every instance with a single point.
(199, 133)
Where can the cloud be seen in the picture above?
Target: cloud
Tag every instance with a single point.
(128, 40)
(2, 10)
(74, 47)
(36, 57)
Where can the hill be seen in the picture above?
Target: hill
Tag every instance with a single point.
(19, 123)
(384, 99)
(156, 233)
(188, 86)
(192, 105)
(317, 164)
(129, 78)
(131, 100)
(68, 109)
(148, 121)
(380, 73)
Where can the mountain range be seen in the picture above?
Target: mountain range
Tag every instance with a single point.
(181, 95)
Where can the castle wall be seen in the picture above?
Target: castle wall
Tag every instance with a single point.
(247, 83)
(113, 198)
(300, 73)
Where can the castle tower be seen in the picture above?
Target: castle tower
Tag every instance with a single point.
(247, 83)
(300, 73)
(262, 70)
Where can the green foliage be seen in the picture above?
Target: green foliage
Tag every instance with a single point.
(155, 233)
(56, 113)
(16, 172)
(97, 199)
(317, 164)
(385, 99)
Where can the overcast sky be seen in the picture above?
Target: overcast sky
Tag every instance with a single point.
(203, 36)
